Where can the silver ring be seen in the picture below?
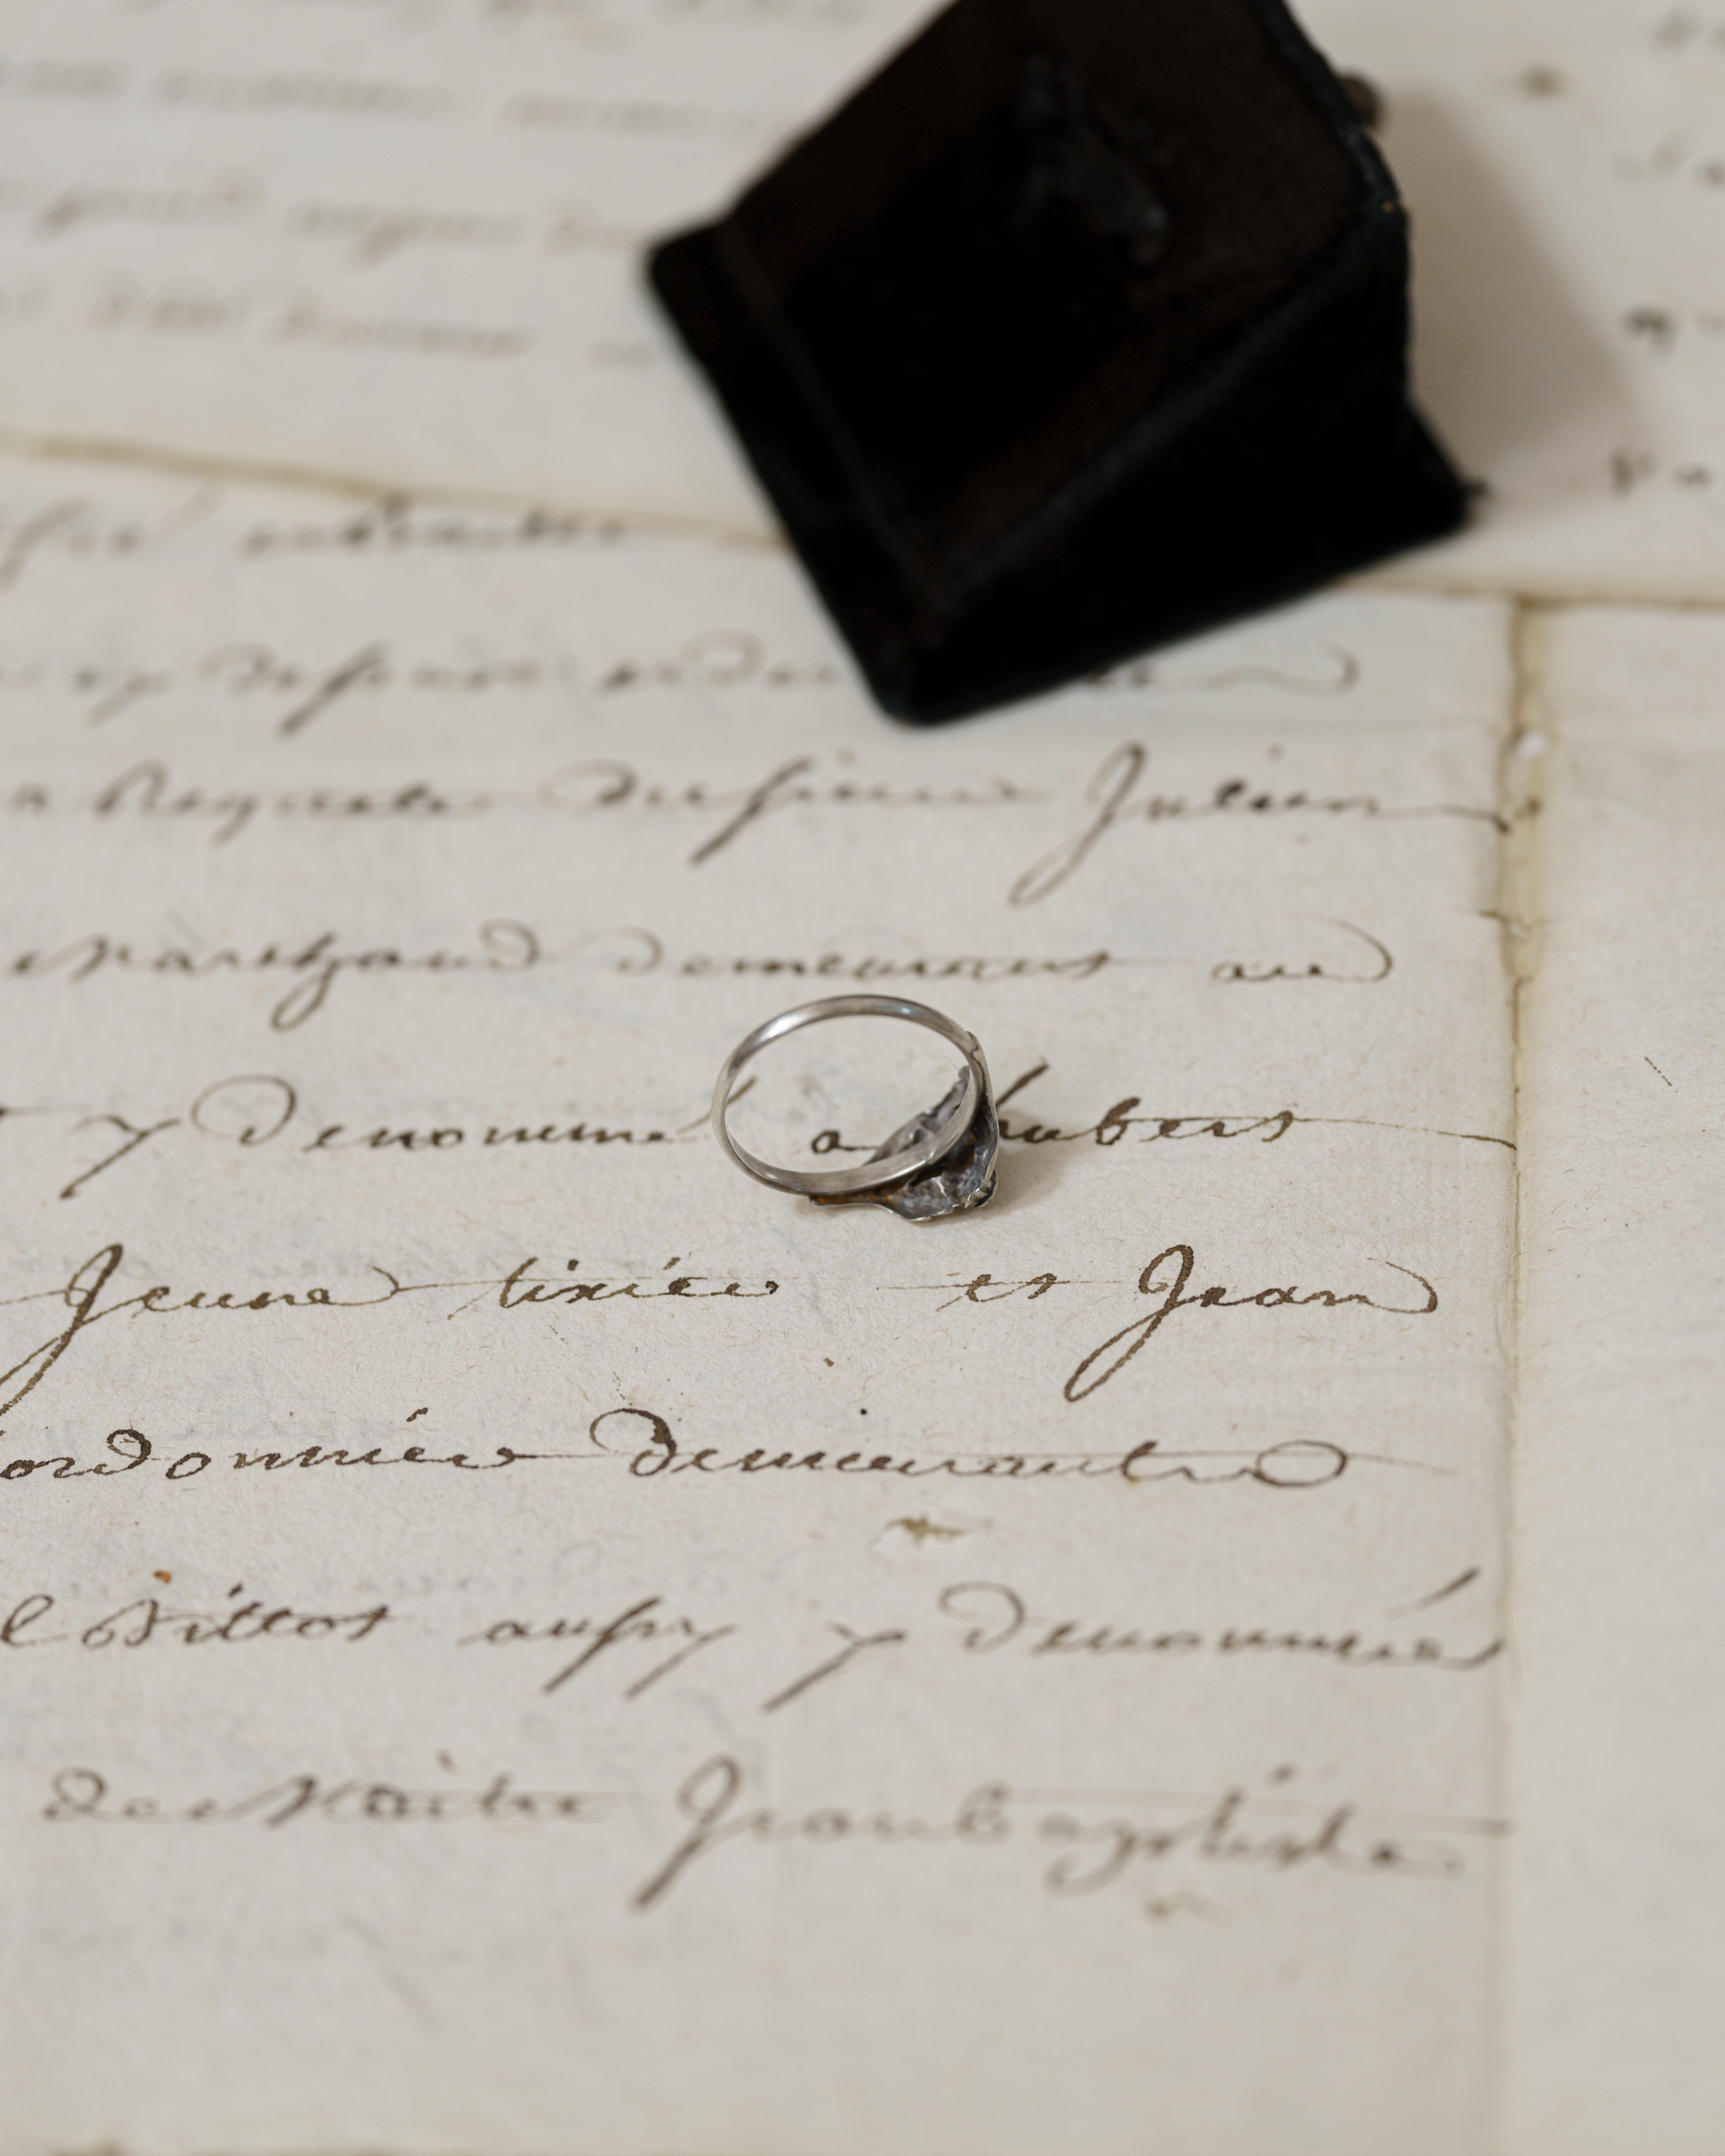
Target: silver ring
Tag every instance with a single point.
(943, 1161)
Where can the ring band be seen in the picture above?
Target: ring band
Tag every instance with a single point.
(941, 1162)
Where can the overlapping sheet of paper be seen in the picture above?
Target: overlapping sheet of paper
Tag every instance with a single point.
(395, 242)
(517, 1640)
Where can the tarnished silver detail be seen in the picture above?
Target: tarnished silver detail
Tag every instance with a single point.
(942, 1161)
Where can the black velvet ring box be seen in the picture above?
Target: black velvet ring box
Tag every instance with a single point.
(1081, 327)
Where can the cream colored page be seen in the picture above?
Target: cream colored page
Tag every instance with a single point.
(1563, 162)
(518, 1638)
(1616, 1966)
(398, 242)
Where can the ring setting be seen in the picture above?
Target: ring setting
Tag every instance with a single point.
(941, 1162)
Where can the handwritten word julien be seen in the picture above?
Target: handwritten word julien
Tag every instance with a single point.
(79, 530)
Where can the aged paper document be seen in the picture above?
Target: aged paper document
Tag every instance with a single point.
(589, 1654)
(396, 242)
(517, 1641)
